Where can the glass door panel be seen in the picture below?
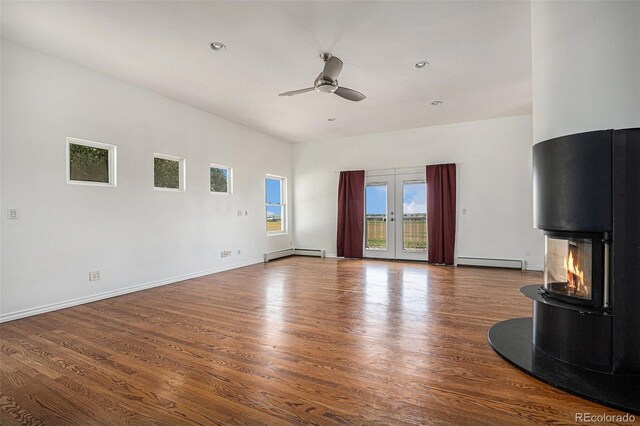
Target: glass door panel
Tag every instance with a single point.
(414, 216)
(376, 216)
(379, 217)
(411, 227)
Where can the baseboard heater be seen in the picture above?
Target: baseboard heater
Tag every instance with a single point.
(491, 263)
(272, 255)
(308, 252)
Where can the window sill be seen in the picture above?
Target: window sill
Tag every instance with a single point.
(90, 183)
(155, 188)
(276, 234)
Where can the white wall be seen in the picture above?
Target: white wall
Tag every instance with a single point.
(494, 186)
(586, 66)
(138, 237)
(134, 235)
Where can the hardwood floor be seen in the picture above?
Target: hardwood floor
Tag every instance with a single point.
(298, 340)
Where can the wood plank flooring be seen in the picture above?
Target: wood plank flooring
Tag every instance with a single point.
(295, 341)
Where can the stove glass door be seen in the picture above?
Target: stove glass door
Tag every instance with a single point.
(568, 268)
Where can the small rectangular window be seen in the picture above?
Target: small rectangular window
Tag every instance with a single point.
(168, 173)
(220, 179)
(276, 204)
(91, 163)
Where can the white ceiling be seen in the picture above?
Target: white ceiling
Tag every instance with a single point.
(480, 57)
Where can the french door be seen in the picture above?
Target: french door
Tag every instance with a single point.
(396, 217)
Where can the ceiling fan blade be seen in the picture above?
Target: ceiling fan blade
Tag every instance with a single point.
(332, 68)
(297, 92)
(350, 94)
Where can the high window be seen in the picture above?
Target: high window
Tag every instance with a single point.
(168, 173)
(276, 204)
(91, 163)
(220, 179)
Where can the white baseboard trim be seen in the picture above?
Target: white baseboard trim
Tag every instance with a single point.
(4, 317)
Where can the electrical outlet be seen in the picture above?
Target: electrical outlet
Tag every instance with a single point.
(12, 214)
(94, 275)
(239, 212)
(225, 253)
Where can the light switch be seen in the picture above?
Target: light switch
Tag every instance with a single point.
(12, 214)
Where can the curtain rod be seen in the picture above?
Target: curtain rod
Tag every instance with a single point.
(386, 168)
(397, 168)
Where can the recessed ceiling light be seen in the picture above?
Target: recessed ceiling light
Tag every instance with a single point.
(420, 65)
(217, 46)
(436, 103)
(331, 119)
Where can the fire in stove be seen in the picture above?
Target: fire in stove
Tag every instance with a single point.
(568, 268)
(575, 276)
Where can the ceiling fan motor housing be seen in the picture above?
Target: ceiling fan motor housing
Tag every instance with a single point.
(326, 86)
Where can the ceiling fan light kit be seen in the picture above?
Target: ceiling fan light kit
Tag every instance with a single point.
(327, 81)
(323, 87)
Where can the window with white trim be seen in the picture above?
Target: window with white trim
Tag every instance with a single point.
(168, 173)
(220, 179)
(91, 163)
(276, 204)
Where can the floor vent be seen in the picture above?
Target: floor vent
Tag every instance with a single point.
(272, 255)
(492, 263)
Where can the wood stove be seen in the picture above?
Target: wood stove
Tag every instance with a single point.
(584, 336)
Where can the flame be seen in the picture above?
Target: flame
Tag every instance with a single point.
(575, 276)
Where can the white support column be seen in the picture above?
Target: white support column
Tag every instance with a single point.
(586, 66)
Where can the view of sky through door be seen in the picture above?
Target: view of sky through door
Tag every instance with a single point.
(414, 198)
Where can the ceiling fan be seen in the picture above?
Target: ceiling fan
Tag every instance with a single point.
(327, 81)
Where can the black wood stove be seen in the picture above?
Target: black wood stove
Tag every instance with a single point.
(584, 336)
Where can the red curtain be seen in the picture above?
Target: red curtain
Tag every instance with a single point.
(441, 212)
(351, 214)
